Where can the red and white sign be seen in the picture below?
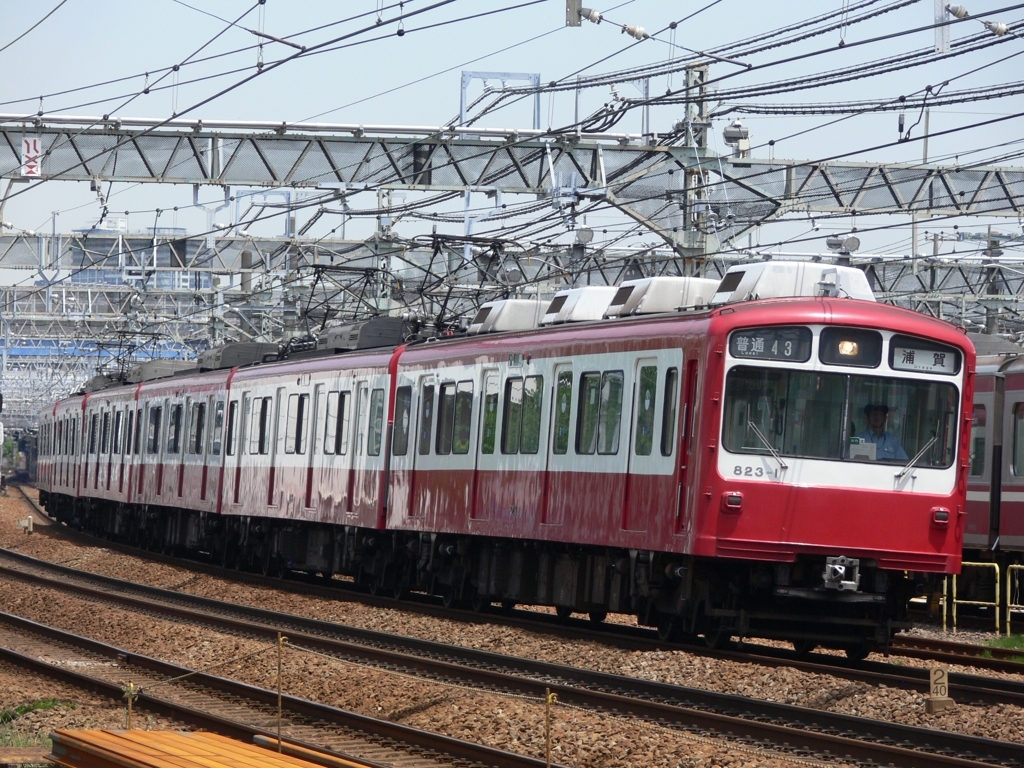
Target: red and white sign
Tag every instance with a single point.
(31, 156)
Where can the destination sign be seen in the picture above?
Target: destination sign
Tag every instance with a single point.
(909, 354)
(789, 344)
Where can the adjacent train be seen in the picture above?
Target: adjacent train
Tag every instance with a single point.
(745, 466)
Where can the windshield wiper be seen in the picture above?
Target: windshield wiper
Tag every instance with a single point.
(763, 439)
(917, 456)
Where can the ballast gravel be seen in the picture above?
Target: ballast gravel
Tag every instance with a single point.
(509, 723)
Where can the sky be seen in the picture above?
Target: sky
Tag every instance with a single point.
(379, 77)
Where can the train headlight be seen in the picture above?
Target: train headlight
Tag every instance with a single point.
(848, 348)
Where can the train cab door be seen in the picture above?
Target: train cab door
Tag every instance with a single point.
(640, 497)
(687, 442)
(981, 523)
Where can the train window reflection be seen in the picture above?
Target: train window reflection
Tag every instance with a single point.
(489, 422)
(646, 395)
(373, 442)
(813, 415)
(403, 405)
(978, 441)
(668, 414)
(563, 401)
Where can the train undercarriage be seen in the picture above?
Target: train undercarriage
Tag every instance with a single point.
(680, 595)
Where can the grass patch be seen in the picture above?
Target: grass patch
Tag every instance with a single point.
(9, 715)
(11, 738)
(1013, 642)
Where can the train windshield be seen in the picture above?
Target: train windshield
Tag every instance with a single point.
(840, 417)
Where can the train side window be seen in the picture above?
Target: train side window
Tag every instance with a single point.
(610, 422)
(1018, 439)
(129, 432)
(643, 441)
(563, 406)
(489, 422)
(94, 429)
(445, 419)
(138, 431)
(336, 429)
(232, 427)
(262, 426)
(153, 437)
(118, 417)
(512, 417)
(375, 437)
(60, 437)
(463, 417)
(218, 427)
(105, 434)
(669, 410)
(589, 410)
(403, 415)
(298, 408)
(174, 429)
(426, 420)
(533, 400)
(197, 427)
(978, 441)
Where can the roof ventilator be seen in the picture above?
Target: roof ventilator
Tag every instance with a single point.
(576, 305)
(507, 315)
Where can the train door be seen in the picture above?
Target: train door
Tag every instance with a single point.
(315, 440)
(239, 417)
(276, 437)
(981, 524)
(487, 431)
(558, 443)
(358, 459)
(643, 458)
(687, 441)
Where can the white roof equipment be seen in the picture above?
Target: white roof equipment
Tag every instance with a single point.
(507, 315)
(575, 305)
(776, 279)
(651, 295)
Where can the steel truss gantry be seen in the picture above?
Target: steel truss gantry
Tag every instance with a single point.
(100, 298)
(655, 183)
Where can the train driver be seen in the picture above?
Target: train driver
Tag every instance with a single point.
(887, 445)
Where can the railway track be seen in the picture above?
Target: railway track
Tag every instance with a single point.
(236, 709)
(622, 636)
(765, 724)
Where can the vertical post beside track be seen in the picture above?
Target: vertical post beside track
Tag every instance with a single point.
(994, 605)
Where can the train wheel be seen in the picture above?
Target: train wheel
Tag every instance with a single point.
(857, 652)
(449, 598)
(563, 612)
(717, 638)
(804, 647)
(668, 629)
(479, 603)
(598, 616)
(399, 591)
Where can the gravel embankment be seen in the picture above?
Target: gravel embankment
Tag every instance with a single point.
(783, 684)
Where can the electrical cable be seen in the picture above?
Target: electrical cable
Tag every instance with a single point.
(23, 34)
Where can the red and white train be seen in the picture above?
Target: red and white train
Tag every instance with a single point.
(712, 471)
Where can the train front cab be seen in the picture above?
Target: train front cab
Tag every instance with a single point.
(828, 515)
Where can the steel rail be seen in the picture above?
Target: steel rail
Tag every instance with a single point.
(631, 637)
(416, 738)
(965, 687)
(800, 728)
